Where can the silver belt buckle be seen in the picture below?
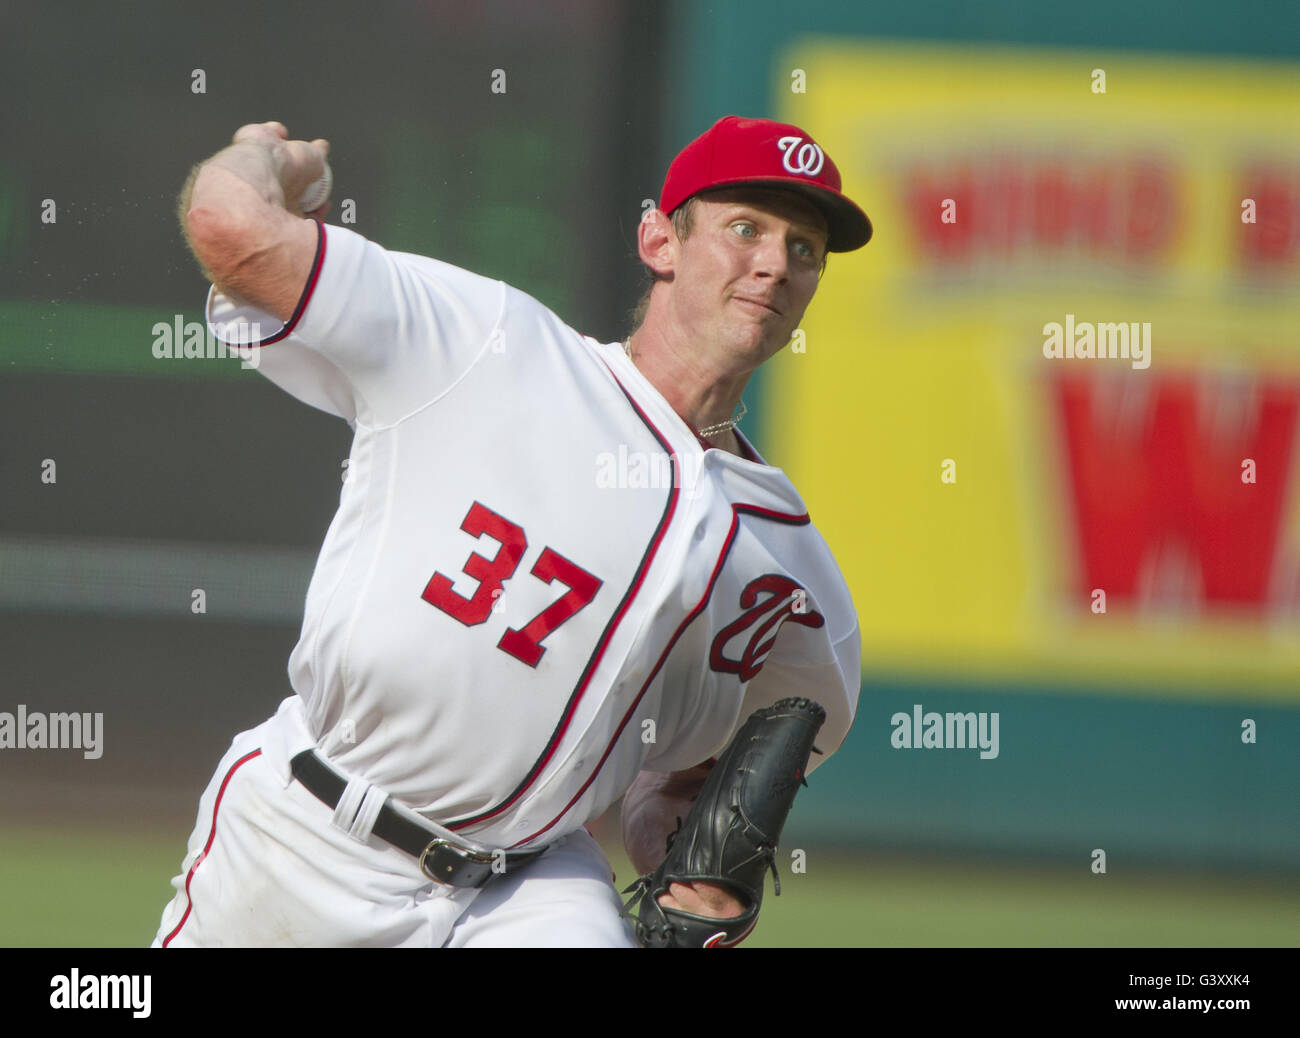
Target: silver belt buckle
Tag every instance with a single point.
(464, 853)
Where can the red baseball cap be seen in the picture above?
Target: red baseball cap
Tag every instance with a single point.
(735, 150)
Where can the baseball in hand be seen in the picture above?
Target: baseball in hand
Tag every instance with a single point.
(316, 194)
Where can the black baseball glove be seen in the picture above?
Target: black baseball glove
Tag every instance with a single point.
(730, 835)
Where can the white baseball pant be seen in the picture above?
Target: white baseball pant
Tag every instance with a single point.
(266, 866)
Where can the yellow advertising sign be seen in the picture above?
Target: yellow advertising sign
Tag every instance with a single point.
(1057, 395)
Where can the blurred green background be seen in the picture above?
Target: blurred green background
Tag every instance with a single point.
(51, 897)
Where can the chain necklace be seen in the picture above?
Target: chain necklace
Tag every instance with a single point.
(712, 430)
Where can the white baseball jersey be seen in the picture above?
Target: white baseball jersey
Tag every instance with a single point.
(538, 581)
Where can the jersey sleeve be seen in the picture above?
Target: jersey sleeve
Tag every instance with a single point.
(834, 682)
(376, 334)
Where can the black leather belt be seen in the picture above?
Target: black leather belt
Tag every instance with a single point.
(441, 860)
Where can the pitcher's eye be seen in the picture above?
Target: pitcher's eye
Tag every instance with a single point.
(739, 227)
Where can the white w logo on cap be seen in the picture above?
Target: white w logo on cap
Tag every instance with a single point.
(801, 156)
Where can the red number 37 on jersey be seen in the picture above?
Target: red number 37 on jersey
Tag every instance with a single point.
(523, 643)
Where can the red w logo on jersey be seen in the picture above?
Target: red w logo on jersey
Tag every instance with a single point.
(785, 600)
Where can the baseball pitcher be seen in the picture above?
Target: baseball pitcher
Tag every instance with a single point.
(559, 575)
